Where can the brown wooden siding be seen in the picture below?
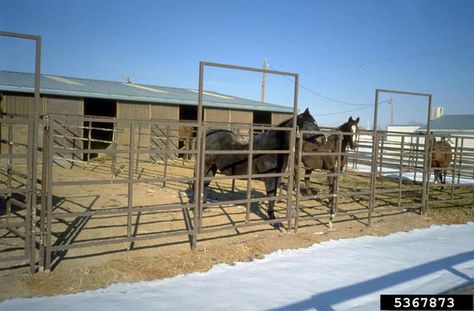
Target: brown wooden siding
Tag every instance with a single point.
(217, 115)
(241, 116)
(278, 117)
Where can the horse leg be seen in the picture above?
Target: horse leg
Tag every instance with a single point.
(438, 176)
(307, 183)
(211, 172)
(332, 201)
(271, 185)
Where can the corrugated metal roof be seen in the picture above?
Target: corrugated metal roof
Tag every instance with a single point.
(76, 87)
(453, 122)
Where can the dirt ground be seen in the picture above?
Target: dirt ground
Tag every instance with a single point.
(83, 269)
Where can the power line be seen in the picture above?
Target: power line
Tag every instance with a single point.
(319, 94)
(341, 112)
(351, 110)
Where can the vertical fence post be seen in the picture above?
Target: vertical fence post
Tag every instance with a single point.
(297, 179)
(373, 170)
(455, 166)
(291, 156)
(45, 190)
(167, 149)
(460, 161)
(89, 142)
(130, 181)
(400, 171)
(249, 173)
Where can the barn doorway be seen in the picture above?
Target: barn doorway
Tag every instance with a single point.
(186, 133)
(188, 112)
(98, 135)
(262, 117)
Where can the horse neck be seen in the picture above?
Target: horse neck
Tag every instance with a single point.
(331, 144)
(345, 142)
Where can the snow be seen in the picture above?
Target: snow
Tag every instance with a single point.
(347, 274)
(393, 173)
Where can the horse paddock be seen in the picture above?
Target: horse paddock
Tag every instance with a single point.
(139, 212)
(90, 223)
(82, 268)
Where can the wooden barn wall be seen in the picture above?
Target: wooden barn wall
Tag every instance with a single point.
(162, 135)
(241, 116)
(132, 111)
(154, 136)
(217, 115)
(70, 134)
(278, 117)
(17, 104)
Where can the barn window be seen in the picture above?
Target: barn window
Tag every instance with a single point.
(262, 117)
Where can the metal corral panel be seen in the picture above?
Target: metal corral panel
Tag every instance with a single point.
(241, 116)
(164, 136)
(277, 118)
(133, 111)
(216, 115)
(70, 134)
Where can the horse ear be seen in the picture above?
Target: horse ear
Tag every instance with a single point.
(350, 119)
(357, 120)
(306, 112)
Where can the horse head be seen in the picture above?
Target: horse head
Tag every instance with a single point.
(306, 122)
(351, 126)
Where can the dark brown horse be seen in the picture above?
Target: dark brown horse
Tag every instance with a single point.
(441, 157)
(236, 164)
(326, 161)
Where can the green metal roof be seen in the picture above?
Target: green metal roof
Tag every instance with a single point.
(76, 87)
(460, 122)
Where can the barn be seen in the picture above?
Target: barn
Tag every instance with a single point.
(128, 101)
(444, 125)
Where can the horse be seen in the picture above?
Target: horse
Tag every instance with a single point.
(326, 161)
(441, 157)
(236, 164)
(186, 135)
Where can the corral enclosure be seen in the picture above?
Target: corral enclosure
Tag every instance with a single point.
(140, 192)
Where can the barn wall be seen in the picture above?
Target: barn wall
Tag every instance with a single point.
(217, 115)
(133, 111)
(71, 133)
(164, 112)
(278, 117)
(241, 116)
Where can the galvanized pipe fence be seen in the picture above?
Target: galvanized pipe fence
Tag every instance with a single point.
(64, 219)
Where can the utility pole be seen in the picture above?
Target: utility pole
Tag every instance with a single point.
(264, 79)
(390, 102)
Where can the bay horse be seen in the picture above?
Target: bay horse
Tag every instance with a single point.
(441, 157)
(186, 136)
(326, 161)
(236, 164)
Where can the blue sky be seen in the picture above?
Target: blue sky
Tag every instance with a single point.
(343, 50)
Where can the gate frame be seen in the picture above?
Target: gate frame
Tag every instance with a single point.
(200, 159)
(32, 151)
(426, 166)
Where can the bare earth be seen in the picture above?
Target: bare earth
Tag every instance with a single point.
(153, 260)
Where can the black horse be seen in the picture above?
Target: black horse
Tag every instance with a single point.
(236, 164)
